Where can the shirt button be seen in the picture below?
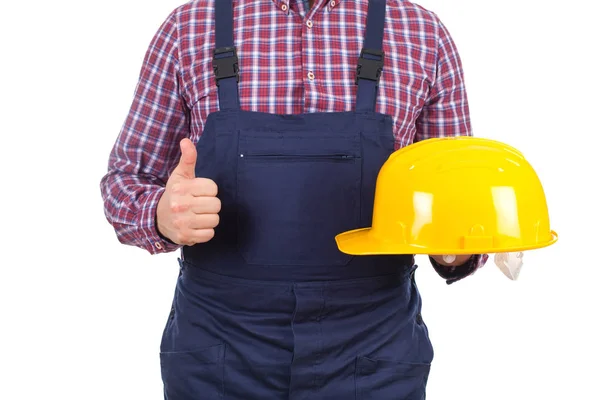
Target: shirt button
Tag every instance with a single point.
(309, 23)
(284, 7)
(311, 76)
(158, 245)
(332, 3)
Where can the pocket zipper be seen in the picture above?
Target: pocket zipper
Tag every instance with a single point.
(307, 157)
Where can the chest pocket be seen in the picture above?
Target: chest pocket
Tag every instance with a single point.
(295, 192)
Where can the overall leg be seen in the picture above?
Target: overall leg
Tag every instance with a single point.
(227, 338)
(360, 339)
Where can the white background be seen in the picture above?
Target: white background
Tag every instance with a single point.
(82, 315)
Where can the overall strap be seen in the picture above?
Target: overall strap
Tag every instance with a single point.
(370, 62)
(225, 61)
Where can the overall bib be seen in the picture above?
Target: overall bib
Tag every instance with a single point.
(270, 309)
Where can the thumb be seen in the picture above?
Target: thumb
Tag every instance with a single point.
(187, 162)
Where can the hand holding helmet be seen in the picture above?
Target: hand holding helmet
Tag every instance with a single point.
(454, 197)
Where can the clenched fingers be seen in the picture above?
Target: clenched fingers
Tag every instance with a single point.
(205, 205)
(204, 221)
(190, 237)
(203, 187)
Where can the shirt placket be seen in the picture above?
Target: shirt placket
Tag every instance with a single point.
(309, 60)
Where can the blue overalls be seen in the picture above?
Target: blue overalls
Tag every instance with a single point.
(270, 309)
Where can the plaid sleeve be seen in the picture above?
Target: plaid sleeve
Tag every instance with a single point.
(147, 147)
(446, 113)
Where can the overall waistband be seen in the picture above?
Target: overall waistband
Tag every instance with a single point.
(356, 269)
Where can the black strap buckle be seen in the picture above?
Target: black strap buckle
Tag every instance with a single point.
(225, 67)
(369, 68)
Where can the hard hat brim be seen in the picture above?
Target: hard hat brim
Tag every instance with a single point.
(362, 242)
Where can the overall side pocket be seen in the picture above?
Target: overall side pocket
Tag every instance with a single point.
(390, 380)
(189, 375)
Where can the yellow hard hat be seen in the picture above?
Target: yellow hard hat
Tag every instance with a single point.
(456, 195)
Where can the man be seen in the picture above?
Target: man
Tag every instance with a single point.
(255, 136)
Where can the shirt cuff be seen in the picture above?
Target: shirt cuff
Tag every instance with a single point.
(456, 273)
(155, 243)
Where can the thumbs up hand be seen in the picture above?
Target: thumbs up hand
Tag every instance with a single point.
(187, 212)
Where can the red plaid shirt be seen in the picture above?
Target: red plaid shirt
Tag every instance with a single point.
(292, 60)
